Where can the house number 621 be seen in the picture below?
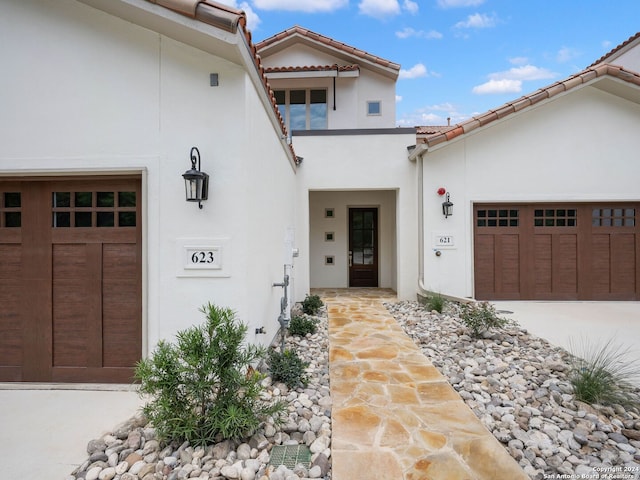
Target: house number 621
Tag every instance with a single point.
(202, 257)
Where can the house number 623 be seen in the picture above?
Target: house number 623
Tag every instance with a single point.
(202, 257)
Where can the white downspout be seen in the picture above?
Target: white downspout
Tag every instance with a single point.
(418, 156)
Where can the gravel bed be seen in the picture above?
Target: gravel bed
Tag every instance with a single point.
(517, 384)
(132, 452)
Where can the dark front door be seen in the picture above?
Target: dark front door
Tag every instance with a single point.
(363, 247)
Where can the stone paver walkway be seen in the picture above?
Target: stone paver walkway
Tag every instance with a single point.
(394, 415)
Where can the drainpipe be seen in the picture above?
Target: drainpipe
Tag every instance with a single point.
(334, 87)
(417, 155)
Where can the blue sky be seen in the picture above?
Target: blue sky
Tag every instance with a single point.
(460, 57)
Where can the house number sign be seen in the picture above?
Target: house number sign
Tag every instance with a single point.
(444, 241)
(203, 258)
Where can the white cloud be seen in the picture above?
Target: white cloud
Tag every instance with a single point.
(378, 8)
(459, 3)
(411, 7)
(398, 98)
(566, 54)
(518, 61)
(417, 71)
(410, 32)
(439, 114)
(301, 6)
(498, 86)
(478, 20)
(606, 44)
(525, 72)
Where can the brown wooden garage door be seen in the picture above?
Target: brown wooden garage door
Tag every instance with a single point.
(70, 279)
(557, 251)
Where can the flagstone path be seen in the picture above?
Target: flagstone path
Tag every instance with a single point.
(394, 415)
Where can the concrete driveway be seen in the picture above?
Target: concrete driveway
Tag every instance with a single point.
(44, 429)
(563, 323)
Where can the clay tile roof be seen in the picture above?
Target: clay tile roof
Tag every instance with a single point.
(231, 20)
(303, 32)
(431, 136)
(629, 41)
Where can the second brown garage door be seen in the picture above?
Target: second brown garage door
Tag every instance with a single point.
(557, 251)
(70, 279)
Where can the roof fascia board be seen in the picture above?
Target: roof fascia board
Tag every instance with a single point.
(311, 74)
(294, 38)
(597, 77)
(173, 24)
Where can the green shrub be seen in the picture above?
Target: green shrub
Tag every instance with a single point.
(287, 367)
(603, 374)
(435, 302)
(302, 325)
(203, 387)
(481, 317)
(311, 304)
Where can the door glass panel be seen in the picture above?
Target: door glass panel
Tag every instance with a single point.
(105, 199)
(368, 220)
(357, 238)
(367, 256)
(105, 219)
(126, 199)
(357, 220)
(83, 219)
(357, 256)
(61, 199)
(83, 199)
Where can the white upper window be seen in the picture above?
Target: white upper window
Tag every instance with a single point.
(374, 108)
(304, 109)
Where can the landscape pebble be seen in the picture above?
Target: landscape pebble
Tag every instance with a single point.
(514, 382)
(132, 451)
(517, 385)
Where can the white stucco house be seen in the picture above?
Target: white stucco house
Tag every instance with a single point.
(546, 192)
(100, 253)
(108, 103)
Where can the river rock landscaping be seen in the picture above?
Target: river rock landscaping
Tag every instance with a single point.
(133, 452)
(517, 385)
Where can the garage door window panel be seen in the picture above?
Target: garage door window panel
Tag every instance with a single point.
(94, 209)
(498, 218)
(613, 217)
(10, 210)
(555, 217)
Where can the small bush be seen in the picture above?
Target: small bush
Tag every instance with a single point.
(311, 304)
(302, 325)
(203, 387)
(602, 374)
(287, 367)
(481, 317)
(435, 302)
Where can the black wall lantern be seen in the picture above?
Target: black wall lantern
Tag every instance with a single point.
(447, 207)
(196, 182)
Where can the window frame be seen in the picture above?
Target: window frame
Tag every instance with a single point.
(286, 106)
(374, 102)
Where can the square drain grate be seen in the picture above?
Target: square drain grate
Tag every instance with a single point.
(290, 456)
